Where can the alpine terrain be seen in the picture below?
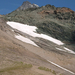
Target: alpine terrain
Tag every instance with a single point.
(37, 41)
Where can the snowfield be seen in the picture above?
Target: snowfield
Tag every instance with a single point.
(25, 39)
(31, 30)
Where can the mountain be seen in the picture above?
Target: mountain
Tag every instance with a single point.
(57, 22)
(38, 41)
(27, 5)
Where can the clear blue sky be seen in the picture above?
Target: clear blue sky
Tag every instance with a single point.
(7, 6)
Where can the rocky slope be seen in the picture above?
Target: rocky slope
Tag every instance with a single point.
(15, 58)
(15, 54)
(56, 22)
(19, 57)
(27, 5)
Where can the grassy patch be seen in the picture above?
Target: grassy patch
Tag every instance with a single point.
(47, 69)
(17, 66)
(54, 72)
(44, 68)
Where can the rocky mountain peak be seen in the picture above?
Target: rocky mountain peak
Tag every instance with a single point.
(26, 2)
(26, 5)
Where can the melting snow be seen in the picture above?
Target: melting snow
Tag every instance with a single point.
(60, 49)
(61, 67)
(69, 50)
(66, 50)
(31, 31)
(12, 30)
(25, 39)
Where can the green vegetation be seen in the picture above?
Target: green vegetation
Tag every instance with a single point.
(16, 66)
(44, 68)
(54, 72)
(55, 30)
(47, 69)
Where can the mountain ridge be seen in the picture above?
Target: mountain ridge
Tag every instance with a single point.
(57, 22)
(26, 5)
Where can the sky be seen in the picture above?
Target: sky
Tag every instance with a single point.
(7, 6)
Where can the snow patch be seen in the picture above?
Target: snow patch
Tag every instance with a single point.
(71, 51)
(12, 30)
(66, 50)
(60, 49)
(30, 30)
(31, 5)
(58, 42)
(36, 5)
(25, 39)
(61, 67)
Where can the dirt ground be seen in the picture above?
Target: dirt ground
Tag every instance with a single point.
(13, 51)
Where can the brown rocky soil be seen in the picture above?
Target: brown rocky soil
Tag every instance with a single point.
(64, 10)
(58, 10)
(13, 51)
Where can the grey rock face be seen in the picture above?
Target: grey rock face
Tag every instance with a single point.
(27, 5)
